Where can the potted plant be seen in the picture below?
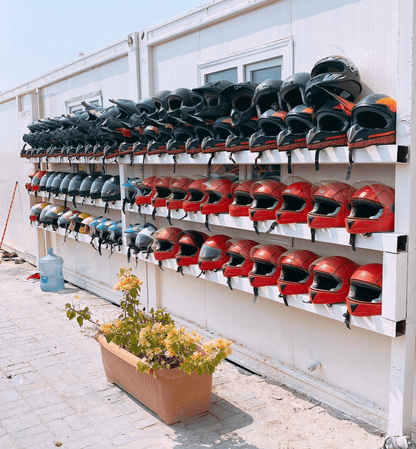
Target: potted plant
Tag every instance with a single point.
(164, 367)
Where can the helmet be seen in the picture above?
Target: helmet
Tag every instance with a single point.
(242, 199)
(131, 234)
(35, 211)
(364, 297)
(332, 122)
(244, 130)
(189, 246)
(331, 205)
(111, 189)
(63, 188)
(267, 94)
(75, 184)
(76, 222)
(93, 225)
(43, 219)
(372, 210)
(331, 278)
(298, 121)
(267, 195)
(297, 202)
(242, 103)
(48, 187)
(162, 186)
(179, 193)
(334, 74)
(116, 233)
(44, 180)
(197, 195)
(167, 243)
(213, 254)
(292, 91)
(295, 277)
(85, 188)
(213, 103)
(53, 214)
(160, 100)
(104, 232)
(176, 99)
(145, 237)
(63, 220)
(270, 124)
(220, 196)
(240, 263)
(147, 191)
(97, 186)
(132, 189)
(373, 122)
(203, 129)
(266, 268)
(223, 128)
(36, 179)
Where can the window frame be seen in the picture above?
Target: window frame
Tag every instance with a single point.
(283, 48)
(76, 101)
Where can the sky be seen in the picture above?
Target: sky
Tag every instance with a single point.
(37, 36)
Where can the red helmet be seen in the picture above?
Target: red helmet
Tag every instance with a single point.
(147, 188)
(364, 297)
(220, 196)
(242, 199)
(28, 185)
(197, 195)
(180, 193)
(331, 205)
(167, 243)
(372, 210)
(240, 263)
(213, 254)
(331, 278)
(162, 186)
(35, 211)
(190, 244)
(297, 202)
(267, 195)
(266, 268)
(35, 184)
(295, 277)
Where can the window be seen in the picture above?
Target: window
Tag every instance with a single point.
(74, 104)
(229, 75)
(273, 60)
(264, 70)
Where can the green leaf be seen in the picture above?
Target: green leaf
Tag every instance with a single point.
(80, 321)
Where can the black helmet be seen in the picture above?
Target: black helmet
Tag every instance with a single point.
(56, 183)
(266, 94)
(116, 234)
(373, 122)
(86, 184)
(299, 122)
(63, 188)
(43, 218)
(111, 191)
(242, 103)
(44, 180)
(176, 99)
(54, 213)
(335, 74)
(270, 124)
(210, 100)
(48, 186)
(97, 185)
(292, 91)
(75, 184)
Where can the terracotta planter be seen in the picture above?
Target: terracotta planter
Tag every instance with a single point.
(172, 394)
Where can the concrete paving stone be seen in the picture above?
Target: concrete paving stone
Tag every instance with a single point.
(3, 431)
(15, 411)
(29, 431)
(134, 435)
(140, 413)
(10, 395)
(59, 427)
(12, 424)
(29, 419)
(33, 440)
(59, 408)
(7, 443)
(106, 429)
(76, 422)
(64, 411)
(124, 424)
(147, 422)
(220, 412)
(100, 414)
(126, 405)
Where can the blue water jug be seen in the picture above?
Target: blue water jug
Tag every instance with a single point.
(51, 274)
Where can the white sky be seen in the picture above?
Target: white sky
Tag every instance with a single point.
(37, 36)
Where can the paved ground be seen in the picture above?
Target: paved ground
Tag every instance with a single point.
(53, 391)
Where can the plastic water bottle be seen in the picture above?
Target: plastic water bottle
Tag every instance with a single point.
(50, 271)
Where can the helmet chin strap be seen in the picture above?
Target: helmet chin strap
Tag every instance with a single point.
(159, 264)
(313, 233)
(352, 241)
(180, 270)
(284, 297)
(168, 217)
(207, 222)
(351, 162)
(317, 159)
(256, 294)
(272, 226)
(255, 226)
(229, 283)
(289, 161)
(347, 321)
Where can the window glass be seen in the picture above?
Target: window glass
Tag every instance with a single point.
(258, 76)
(228, 75)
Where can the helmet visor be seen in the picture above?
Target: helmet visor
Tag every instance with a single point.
(208, 253)
(359, 291)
